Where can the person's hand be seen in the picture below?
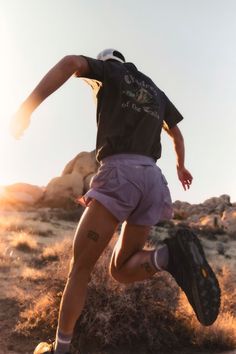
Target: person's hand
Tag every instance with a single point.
(185, 177)
(19, 123)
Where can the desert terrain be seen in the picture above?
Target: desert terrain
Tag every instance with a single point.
(37, 225)
(148, 317)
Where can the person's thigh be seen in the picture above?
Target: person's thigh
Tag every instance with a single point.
(95, 229)
(131, 240)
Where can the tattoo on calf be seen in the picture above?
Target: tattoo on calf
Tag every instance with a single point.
(147, 267)
(93, 235)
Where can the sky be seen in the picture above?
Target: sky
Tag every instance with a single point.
(187, 47)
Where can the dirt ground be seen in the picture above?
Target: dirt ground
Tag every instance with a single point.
(15, 262)
(23, 235)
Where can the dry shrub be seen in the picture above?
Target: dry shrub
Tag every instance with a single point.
(59, 252)
(40, 312)
(145, 317)
(22, 222)
(11, 224)
(32, 274)
(9, 261)
(227, 282)
(222, 334)
(5, 265)
(41, 315)
(134, 316)
(56, 251)
(24, 242)
(43, 231)
(34, 227)
(224, 329)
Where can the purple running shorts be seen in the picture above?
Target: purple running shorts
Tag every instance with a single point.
(132, 188)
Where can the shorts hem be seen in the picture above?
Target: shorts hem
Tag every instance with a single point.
(86, 199)
(90, 195)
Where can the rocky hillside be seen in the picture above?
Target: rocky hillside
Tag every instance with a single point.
(216, 213)
(62, 192)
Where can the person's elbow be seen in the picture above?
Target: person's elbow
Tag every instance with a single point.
(76, 64)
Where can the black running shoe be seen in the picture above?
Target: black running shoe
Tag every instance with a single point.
(190, 269)
(45, 348)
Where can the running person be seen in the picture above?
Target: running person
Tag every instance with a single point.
(129, 188)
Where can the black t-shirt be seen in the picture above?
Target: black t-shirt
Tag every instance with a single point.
(131, 110)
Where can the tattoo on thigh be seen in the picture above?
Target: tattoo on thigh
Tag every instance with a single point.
(147, 267)
(93, 235)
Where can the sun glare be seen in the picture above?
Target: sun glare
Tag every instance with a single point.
(2, 191)
(8, 89)
(5, 69)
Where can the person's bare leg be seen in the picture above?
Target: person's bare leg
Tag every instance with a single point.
(130, 262)
(94, 231)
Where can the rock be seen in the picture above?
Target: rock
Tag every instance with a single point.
(62, 191)
(219, 203)
(220, 248)
(84, 163)
(87, 181)
(206, 214)
(212, 221)
(229, 220)
(182, 210)
(21, 194)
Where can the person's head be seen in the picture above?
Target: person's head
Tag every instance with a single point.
(111, 54)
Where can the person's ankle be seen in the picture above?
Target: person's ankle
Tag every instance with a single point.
(62, 342)
(160, 258)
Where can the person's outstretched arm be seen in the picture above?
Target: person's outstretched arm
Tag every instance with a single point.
(184, 175)
(54, 79)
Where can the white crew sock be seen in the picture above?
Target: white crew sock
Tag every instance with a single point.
(160, 258)
(62, 343)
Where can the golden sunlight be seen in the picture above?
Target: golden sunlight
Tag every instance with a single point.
(2, 191)
(8, 102)
(6, 148)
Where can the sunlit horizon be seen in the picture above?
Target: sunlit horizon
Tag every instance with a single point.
(192, 60)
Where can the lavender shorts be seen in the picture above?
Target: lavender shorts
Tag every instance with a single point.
(132, 188)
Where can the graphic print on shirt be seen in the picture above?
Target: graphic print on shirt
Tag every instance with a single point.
(139, 96)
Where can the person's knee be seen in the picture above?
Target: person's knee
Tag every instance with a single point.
(79, 269)
(118, 275)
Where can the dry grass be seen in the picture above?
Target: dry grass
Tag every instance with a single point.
(32, 274)
(53, 253)
(24, 242)
(25, 222)
(151, 314)
(222, 334)
(4, 264)
(41, 315)
(41, 311)
(58, 253)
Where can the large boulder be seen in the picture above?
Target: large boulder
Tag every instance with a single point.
(84, 163)
(218, 204)
(87, 181)
(229, 220)
(211, 221)
(182, 210)
(21, 194)
(62, 191)
(207, 213)
(74, 181)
